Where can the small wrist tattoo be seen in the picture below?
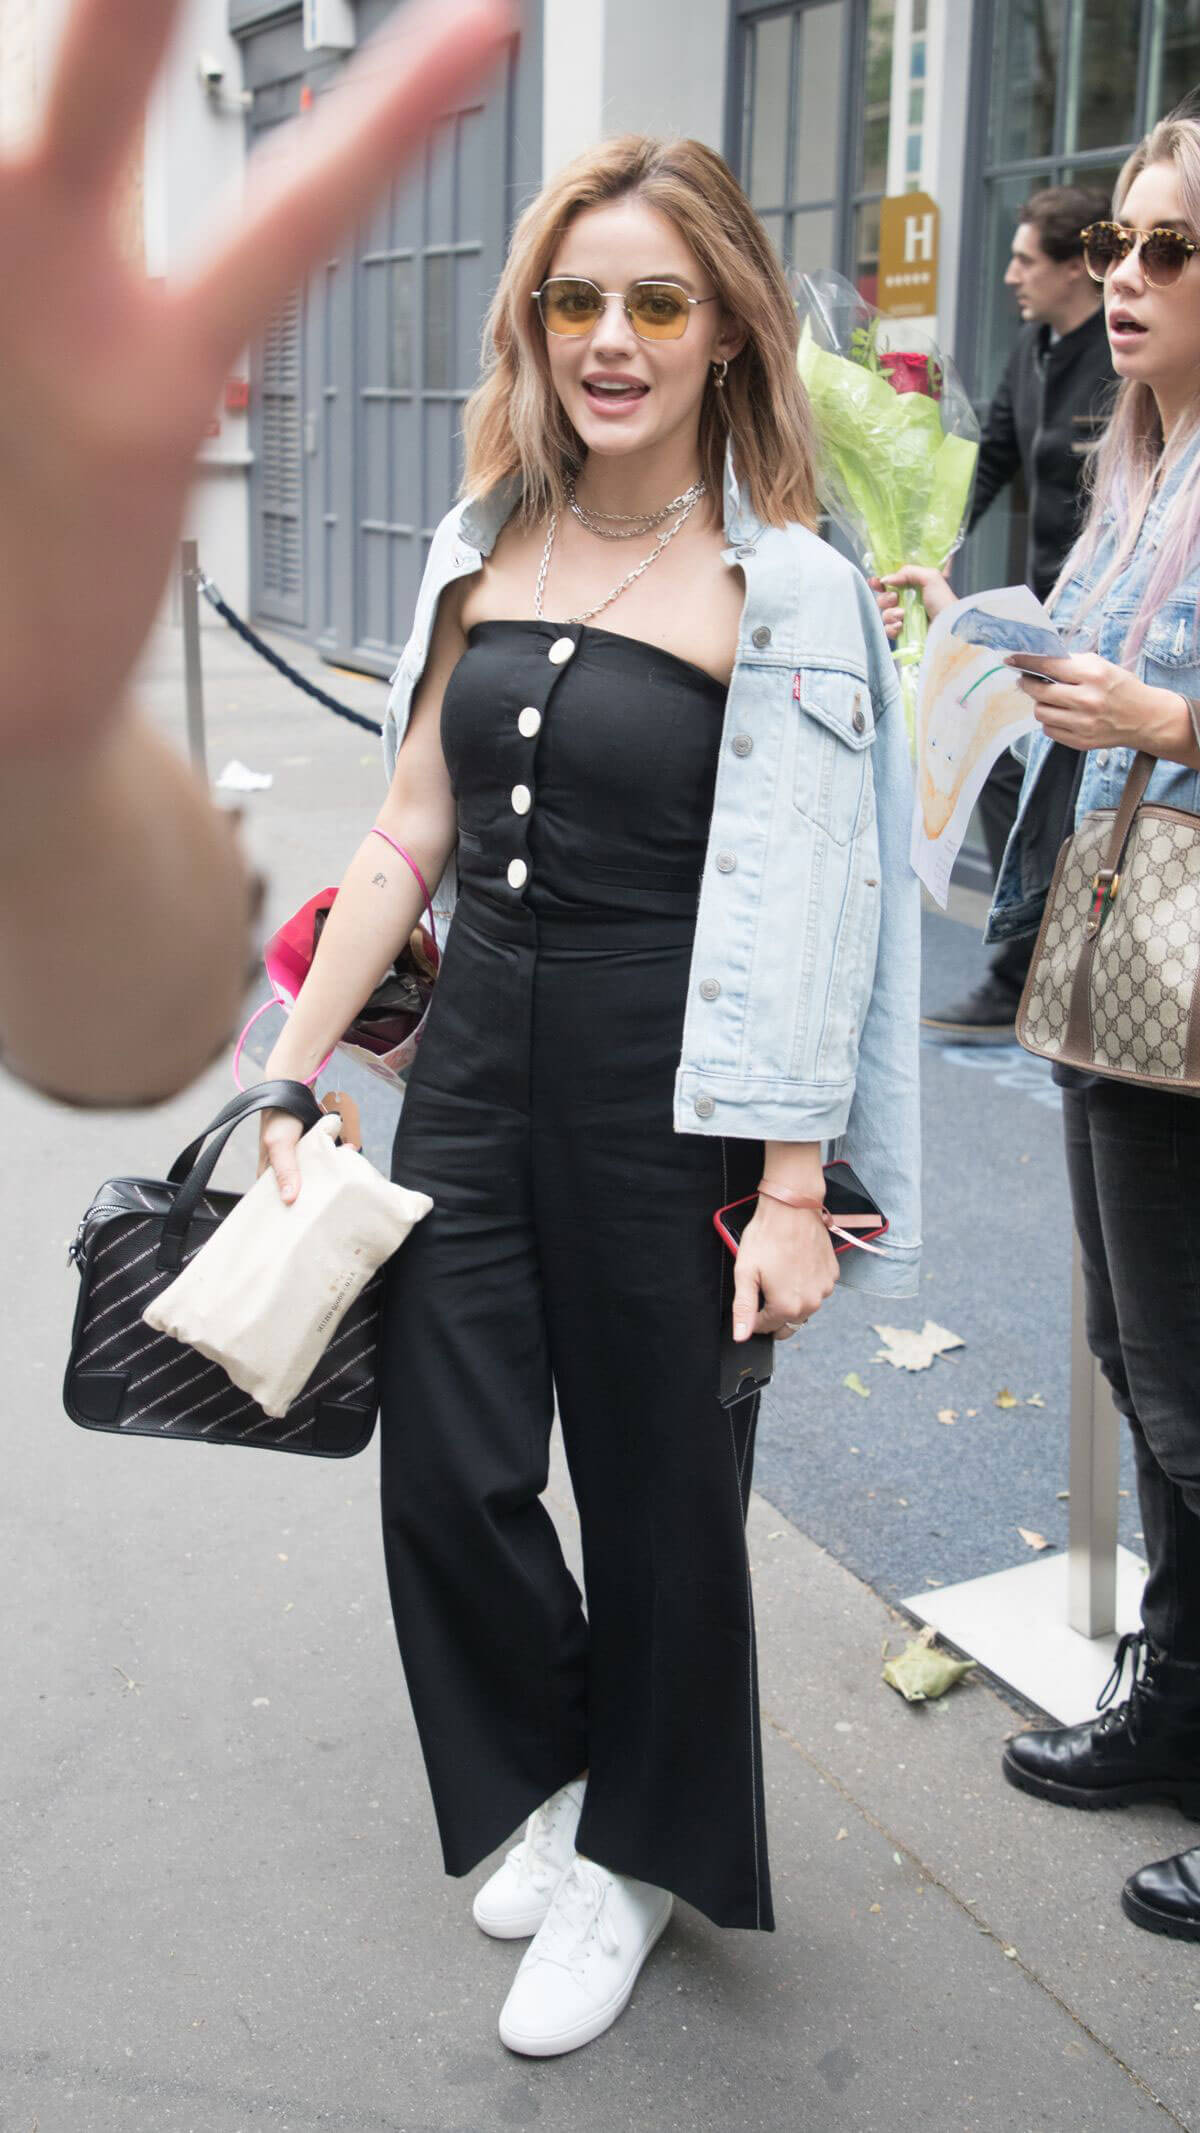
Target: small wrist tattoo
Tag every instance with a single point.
(379, 881)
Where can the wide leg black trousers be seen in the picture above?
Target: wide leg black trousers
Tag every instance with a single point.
(571, 1252)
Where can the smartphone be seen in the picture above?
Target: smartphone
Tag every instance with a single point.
(745, 1366)
(846, 1197)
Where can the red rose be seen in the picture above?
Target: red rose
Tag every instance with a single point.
(910, 372)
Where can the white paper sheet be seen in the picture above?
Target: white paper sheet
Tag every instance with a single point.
(970, 709)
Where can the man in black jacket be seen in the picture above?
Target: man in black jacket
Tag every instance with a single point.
(1050, 405)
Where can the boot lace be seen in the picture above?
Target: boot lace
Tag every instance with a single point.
(576, 1918)
(1127, 1713)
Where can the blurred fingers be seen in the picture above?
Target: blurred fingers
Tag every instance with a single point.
(110, 53)
(326, 169)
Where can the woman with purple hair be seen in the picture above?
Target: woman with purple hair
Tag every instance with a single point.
(1128, 604)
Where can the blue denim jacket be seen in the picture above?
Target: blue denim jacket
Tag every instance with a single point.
(1169, 659)
(802, 1016)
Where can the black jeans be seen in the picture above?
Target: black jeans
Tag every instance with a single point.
(1133, 1159)
(997, 812)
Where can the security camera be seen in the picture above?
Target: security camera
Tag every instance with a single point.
(211, 72)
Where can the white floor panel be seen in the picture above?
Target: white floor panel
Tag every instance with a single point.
(1015, 1623)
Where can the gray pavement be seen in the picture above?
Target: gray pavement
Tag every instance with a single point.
(225, 1906)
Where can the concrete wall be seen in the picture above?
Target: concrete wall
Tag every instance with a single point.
(620, 66)
(194, 168)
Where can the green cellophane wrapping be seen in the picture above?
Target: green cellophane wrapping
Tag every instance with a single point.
(890, 477)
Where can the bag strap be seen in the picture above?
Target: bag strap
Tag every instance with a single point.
(1077, 1040)
(411, 863)
(195, 1169)
(1106, 881)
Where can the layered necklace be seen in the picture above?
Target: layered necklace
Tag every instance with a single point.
(619, 526)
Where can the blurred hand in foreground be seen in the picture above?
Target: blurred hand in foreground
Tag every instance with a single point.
(110, 380)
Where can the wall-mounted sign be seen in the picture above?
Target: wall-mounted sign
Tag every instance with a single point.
(908, 255)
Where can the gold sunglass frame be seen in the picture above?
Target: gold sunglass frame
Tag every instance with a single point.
(675, 287)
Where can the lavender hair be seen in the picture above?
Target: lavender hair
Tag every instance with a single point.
(1127, 463)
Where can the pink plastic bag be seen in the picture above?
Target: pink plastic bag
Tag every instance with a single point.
(385, 1033)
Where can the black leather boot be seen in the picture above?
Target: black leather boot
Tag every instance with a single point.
(1146, 1748)
(1166, 1898)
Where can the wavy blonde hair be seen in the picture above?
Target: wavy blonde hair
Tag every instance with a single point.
(514, 422)
(1133, 455)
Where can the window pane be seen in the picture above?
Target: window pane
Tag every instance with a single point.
(998, 310)
(818, 101)
(769, 55)
(437, 321)
(877, 96)
(400, 340)
(773, 225)
(1103, 75)
(866, 251)
(1176, 48)
(812, 240)
(1025, 59)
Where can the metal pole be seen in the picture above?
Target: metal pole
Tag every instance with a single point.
(1094, 1474)
(193, 678)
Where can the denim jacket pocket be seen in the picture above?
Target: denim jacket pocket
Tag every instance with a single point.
(831, 782)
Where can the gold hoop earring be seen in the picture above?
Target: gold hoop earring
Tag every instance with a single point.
(720, 373)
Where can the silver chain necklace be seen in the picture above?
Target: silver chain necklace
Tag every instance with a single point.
(661, 541)
(604, 524)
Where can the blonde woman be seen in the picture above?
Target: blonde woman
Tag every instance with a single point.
(652, 719)
(1128, 602)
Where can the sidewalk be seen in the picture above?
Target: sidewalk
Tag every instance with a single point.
(226, 1910)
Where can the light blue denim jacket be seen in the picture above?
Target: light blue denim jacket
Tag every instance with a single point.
(1169, 659)
(802, 1015)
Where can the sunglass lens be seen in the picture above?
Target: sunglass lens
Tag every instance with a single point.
(1104, 244)
(569, 306)
(659, 311)
(1164, 257)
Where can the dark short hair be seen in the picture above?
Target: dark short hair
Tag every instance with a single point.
(1058, 215)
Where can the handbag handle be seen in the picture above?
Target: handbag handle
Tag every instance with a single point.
(1108, 876)
(192, 1170)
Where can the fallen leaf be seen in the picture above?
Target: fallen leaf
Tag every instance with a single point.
(1011, 1953)
(947, 1414)
(1036, 1541)
(1064, 1496)
(1035, 1400)
(971, 1413)
(841, 1833)
(922, 1673)
(876, 1907)
(1005, 1398)
(853, 1383)
(906, 1350)
(935, 1581)
(777, 1535)
(260, 1703)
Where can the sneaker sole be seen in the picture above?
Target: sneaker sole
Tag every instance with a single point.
(522, 1928)
(1144, 1914)
(570, 2040)
(1185, 1797)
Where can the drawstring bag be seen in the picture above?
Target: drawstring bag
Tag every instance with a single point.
(265, 1296)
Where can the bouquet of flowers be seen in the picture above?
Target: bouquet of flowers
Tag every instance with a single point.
(898, 440)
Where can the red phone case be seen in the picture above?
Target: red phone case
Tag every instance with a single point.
(842, 1244)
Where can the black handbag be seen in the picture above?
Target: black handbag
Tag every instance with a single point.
(132, 1242)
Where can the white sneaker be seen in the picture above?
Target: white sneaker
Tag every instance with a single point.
(514, 1901)
(578, 1972)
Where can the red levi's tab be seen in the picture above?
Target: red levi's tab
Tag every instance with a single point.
(795, 688)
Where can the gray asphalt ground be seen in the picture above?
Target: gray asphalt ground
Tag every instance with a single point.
(225, 1909)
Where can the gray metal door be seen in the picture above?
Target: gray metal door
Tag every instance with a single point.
(392, 353)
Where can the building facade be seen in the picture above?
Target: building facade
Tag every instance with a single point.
(350, 450)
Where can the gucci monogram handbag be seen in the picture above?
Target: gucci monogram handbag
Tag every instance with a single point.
(1114, 985)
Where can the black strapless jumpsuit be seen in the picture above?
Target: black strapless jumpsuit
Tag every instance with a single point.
(571, 1253)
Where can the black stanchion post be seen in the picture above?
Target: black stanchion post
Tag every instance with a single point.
(193, 677)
